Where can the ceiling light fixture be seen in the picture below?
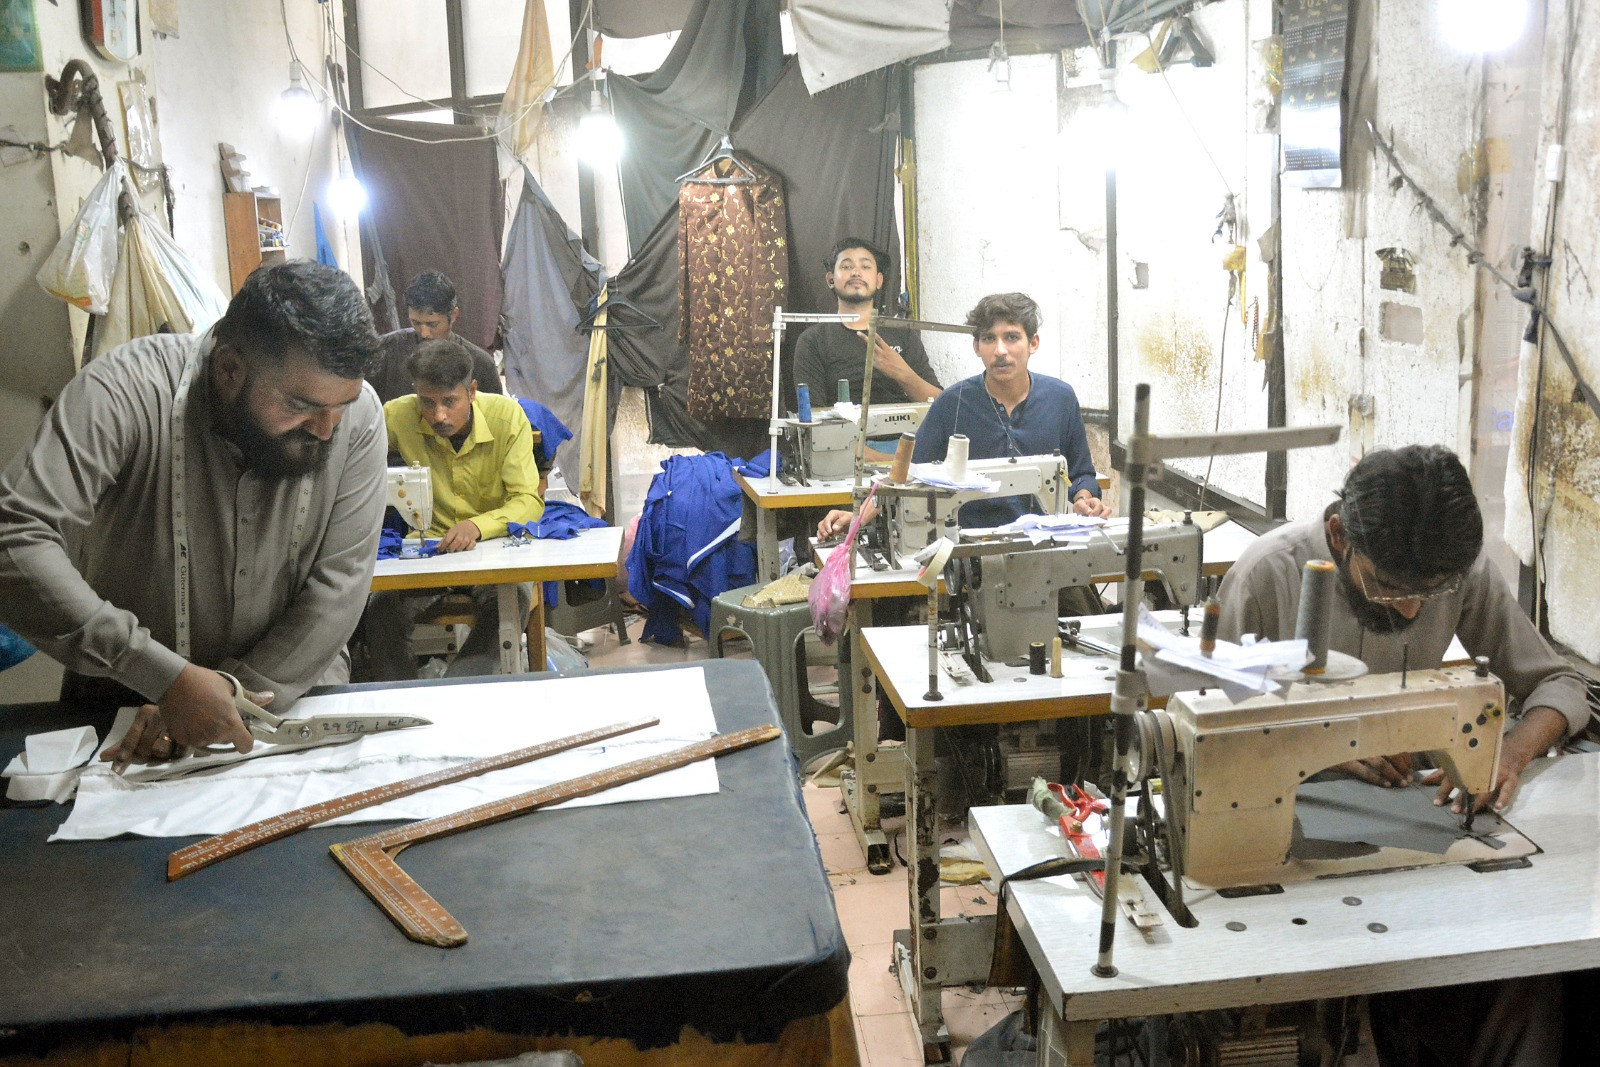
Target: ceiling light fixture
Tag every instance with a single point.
(297, 110)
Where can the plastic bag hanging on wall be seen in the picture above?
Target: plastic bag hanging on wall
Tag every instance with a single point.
(81, 268)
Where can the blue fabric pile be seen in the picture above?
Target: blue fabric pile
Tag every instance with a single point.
(687, 549)
(561, 521)
(390, 540)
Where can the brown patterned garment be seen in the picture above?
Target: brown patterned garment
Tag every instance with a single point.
(733, 268)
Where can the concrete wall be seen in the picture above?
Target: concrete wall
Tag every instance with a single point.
(216, 81)
(1561, 436)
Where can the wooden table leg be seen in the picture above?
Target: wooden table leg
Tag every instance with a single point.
(511, 657)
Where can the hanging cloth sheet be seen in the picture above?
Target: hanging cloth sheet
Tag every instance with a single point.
(534, 71)
(728, 55)
(842, 39)
(437, 205)
(593, 470)
(549, 280)
(733, 266)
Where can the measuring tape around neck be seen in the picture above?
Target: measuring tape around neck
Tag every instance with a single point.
(180, 506)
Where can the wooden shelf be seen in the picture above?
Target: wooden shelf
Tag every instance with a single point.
(242, 216)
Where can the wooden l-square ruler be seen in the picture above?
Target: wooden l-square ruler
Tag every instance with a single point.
(370, 860)
(193, 857)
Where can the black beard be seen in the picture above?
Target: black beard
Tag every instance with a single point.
(847, 297)
(270, 456)
(1378, 618)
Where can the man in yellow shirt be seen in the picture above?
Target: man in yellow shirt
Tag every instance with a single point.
(479, 447)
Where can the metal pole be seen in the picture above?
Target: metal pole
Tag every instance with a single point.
(1128, 698)
(773, 429)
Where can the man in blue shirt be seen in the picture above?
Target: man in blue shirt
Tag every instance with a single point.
(1005, 411)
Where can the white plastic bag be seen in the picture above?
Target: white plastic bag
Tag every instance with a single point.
(80, 270)
(158, 287)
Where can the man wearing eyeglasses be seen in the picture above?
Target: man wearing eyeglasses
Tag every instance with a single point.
(200, 504)
(1407, 536)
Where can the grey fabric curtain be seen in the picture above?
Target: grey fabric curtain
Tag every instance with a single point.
(549, 281)
(436, 206)
(842, 39)
(835, 153)
(729, 54)
(640, 18)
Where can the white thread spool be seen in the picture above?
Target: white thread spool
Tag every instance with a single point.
(955, 458)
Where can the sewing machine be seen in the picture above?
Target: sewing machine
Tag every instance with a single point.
(1231, 788)
(825, 449)
(1004, 592)
(409, 490)
(913, 516)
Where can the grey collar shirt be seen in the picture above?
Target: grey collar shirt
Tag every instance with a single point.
(96, 488)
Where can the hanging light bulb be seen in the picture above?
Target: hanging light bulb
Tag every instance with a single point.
(1482, 25)
(599, 138)
(346, 195)
(297, 110)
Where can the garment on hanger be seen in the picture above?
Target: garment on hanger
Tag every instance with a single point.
(733, 267)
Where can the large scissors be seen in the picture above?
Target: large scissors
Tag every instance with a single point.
(314, 729)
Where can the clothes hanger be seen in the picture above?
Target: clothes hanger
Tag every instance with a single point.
(721, 152)
(616, 303)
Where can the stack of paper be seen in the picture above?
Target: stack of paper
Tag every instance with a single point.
(1065, 527)
(1240, 670)
(934, 474)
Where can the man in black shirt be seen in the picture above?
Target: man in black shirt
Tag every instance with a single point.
(828, 351)
(432, 309)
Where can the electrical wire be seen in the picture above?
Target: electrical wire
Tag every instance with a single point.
(1161, 69)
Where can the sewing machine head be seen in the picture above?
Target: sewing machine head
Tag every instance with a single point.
(409, 490)
(1005, 592)
(915, 516)
(1231, 791)
(825, 449)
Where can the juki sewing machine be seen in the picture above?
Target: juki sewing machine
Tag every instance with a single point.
(409, 490)
(1003, 592)
(913, 516)
(824, 449)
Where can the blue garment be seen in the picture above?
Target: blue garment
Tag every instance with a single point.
(325, 254)
(390, 540)
(561, 521)
(1047, 421)
(13, 648)
(552, 431)
(687, 551)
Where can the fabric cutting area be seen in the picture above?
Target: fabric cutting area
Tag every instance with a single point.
(651, 533)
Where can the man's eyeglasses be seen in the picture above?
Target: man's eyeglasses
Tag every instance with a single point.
(1380, 592)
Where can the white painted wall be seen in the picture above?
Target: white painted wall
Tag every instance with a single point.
(1011, 195)
(1566, 476)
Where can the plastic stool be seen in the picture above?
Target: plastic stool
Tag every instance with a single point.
(785, 644)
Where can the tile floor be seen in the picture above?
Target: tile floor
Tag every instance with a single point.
(871, 907)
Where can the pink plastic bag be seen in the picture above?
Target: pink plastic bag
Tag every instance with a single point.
(830, 592)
